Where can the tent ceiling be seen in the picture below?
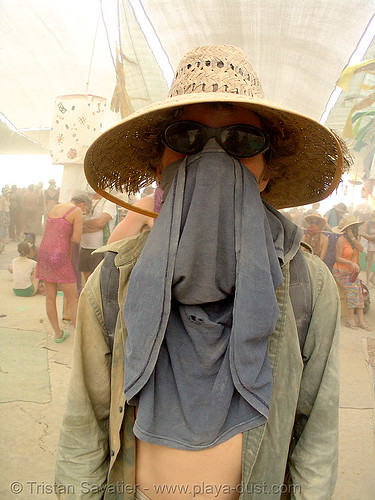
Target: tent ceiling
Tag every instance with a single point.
(297, 47)
(47, 47)
(15, 143)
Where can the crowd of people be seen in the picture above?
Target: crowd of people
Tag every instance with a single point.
(25, 209)
(338, 237)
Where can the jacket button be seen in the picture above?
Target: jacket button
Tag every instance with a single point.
(120, 409)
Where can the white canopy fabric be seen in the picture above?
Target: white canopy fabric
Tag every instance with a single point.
(298, 48)
(51, 48)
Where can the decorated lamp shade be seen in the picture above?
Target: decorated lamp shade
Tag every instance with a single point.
(76, 123)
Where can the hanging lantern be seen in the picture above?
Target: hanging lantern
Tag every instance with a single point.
(77, 122)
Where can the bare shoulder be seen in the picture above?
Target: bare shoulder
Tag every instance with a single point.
(147, 202)
(340, 241)
(134, 223)
(59, 209)
(77, 214)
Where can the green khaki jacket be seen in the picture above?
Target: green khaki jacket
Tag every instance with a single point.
(96, 452)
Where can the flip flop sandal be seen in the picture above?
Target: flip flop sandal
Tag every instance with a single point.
(364, 327)
(65, 335)
(349, 325)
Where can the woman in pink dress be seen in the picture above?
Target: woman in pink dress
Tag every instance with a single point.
(60, 240)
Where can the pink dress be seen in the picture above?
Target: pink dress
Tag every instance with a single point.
(53, 262)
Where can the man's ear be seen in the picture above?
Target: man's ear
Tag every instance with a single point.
(263, 181)
(159, 170)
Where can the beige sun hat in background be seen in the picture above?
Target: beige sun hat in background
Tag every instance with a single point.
(315, 216)
(125, 157)
(341, 208)
(348, 221)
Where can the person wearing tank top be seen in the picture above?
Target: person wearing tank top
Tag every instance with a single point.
(59, 244)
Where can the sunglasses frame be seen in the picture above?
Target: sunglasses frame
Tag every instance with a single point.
(216, 132)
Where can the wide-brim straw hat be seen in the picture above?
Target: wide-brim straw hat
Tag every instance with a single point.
(315, 216)
(348, 221)
(125, 156)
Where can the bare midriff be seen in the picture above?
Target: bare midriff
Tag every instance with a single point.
(167, 473)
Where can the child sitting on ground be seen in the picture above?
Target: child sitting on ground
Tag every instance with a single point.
(24, 282)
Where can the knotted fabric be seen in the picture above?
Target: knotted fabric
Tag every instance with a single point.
(201, 306)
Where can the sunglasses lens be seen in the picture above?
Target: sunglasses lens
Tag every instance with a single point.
(244, 141)
(185, 137)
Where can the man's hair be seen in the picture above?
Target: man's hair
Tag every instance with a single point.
(82, 198)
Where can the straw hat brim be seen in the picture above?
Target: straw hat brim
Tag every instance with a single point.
(358, 223)
(120, 158)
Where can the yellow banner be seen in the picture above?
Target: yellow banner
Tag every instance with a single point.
(349, 71)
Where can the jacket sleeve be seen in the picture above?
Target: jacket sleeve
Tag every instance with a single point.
(313, 461)
(82, 455)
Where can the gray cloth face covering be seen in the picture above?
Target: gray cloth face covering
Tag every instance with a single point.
(201, 306)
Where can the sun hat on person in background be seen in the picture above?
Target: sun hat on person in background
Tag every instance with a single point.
(346, 222)
(341, 208)
(315, 218)
(304, 158)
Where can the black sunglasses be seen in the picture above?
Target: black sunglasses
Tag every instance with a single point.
(240, 140)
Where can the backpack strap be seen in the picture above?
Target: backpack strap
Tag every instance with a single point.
(109, 283)
(299, 290)
(300, 293)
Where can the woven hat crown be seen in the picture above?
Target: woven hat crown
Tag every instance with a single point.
(220, 68)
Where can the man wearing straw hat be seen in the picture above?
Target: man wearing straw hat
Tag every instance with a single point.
(335, 214)
(207, 392)
(314, 236)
